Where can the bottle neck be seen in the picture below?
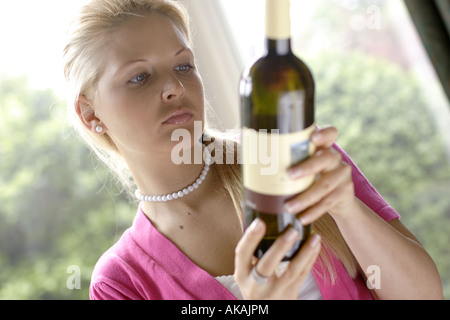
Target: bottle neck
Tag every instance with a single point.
(280, 47)
(278, 27)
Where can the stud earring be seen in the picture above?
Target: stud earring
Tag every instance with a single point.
(99, 129)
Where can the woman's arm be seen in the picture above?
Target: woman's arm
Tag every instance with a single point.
(406, 269)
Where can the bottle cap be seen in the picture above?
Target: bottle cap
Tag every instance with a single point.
(278, 22)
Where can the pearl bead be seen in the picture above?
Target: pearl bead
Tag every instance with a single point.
(184, 191)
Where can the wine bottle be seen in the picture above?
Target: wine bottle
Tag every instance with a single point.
(277, 115)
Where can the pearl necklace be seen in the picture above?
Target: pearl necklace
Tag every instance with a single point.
(184, 191)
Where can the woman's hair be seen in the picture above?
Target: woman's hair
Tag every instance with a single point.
(83, 64)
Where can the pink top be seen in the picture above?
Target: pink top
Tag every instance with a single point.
(145, 265)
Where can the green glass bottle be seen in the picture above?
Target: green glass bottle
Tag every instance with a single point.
(277, 115)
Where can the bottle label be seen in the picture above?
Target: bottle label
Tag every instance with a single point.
(266, 158)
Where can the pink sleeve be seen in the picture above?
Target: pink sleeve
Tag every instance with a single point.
(111, 290)
(365, 192)
(103, 291)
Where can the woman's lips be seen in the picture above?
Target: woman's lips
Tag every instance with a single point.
(178, 117)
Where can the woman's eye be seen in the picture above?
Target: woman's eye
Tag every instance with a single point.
(139, 79)
(184, 68)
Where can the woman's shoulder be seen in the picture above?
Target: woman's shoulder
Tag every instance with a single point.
(115, 271)
(113, 259)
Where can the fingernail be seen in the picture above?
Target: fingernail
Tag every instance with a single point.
(295, 173)
(289, 207)
(304, 220)
(255, 225)
(293, 207)
(315, 138)
(291, 235)
(315, 240)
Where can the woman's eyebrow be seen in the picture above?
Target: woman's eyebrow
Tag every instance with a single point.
(183, 49)
(125, 65)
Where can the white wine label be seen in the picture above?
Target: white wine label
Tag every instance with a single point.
(268, 155)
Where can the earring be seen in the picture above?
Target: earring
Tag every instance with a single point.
(99, 129)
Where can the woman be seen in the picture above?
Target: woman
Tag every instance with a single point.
(135, 82)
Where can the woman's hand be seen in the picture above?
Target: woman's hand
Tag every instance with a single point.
(284, 286)
(333, 190)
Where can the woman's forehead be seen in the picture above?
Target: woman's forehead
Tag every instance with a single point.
(145, 38)
(139, 35)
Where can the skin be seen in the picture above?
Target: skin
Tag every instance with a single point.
(149, 73)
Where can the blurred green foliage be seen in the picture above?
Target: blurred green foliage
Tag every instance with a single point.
(387, 128)
(59, 208)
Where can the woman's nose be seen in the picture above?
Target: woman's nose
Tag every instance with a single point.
(173, 89)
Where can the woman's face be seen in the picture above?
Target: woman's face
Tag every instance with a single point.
(149, 87)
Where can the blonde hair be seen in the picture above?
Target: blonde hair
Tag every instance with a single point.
(83, 63)
(83, 66)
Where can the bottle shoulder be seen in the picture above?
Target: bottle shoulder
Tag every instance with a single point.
(273, 69)
(281, 62)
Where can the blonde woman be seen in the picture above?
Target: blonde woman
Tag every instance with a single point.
(135, 82)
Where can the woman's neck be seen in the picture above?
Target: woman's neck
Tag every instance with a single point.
(160, 174)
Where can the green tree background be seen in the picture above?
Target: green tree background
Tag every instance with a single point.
(58, 207)
(387, 129)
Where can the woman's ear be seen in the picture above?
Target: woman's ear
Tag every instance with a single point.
(86, 113)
